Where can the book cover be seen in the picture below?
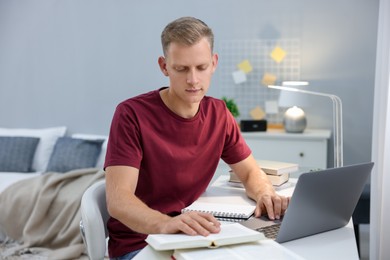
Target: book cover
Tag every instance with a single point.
(277, 167)
(276, 180)
(229, 234)
(264, 249)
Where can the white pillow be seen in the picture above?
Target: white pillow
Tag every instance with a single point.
(48, 138)
(102, 155)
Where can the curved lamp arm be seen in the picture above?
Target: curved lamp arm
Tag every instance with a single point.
(337, 120)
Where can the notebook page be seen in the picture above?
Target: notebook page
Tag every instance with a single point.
(222, 210)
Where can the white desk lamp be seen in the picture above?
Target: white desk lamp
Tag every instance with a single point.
(294, 119)
(337, 120)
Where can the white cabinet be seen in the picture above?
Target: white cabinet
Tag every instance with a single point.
(308, 149)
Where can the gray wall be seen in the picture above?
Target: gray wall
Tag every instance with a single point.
(70, 62)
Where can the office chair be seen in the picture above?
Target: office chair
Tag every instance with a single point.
(94, 216)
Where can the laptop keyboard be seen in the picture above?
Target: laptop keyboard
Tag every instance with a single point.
(270, 231)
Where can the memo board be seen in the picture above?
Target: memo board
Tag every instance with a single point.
(252, 92)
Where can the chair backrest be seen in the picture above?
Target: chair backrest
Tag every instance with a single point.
(94, 216)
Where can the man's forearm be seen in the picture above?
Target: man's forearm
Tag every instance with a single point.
(257, 184)
(136, 215)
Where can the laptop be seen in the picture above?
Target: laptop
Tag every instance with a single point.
(322, 200)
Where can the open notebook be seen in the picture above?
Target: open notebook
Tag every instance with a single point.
(225, 202)
(224, 212)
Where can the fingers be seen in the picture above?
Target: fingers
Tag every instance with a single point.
(268, 206)
(195, 223)
(285, 203)
(274, 206)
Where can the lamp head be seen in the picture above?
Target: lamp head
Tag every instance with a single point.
(294, 120)
(295, 83)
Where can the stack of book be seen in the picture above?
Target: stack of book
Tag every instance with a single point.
(234, 241)
(277, 172)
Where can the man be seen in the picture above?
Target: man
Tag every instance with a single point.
(165, 145)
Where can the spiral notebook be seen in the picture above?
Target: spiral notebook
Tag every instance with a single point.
(224, 212)
(224, 202)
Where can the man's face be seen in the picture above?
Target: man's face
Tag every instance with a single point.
(189, 69)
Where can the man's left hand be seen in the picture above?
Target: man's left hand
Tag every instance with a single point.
(272, 205)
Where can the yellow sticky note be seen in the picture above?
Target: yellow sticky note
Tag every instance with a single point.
(257, 113)
(245, 66)
(268, 79)
(278, 54)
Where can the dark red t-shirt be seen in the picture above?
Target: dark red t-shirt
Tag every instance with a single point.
(176, 157)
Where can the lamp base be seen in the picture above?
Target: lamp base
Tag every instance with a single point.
(294, 120)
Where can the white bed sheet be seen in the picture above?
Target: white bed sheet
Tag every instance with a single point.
(9, 178)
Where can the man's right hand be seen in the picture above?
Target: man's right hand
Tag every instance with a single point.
(192, 223)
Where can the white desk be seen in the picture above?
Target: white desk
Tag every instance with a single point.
(336, 244)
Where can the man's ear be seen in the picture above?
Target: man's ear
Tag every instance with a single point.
(163, 65)
(215, 61)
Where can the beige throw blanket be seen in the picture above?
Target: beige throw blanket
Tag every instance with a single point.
(42, 214)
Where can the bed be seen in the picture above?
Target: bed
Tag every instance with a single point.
(42, 173)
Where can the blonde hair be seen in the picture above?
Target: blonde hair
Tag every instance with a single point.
(187, 31)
